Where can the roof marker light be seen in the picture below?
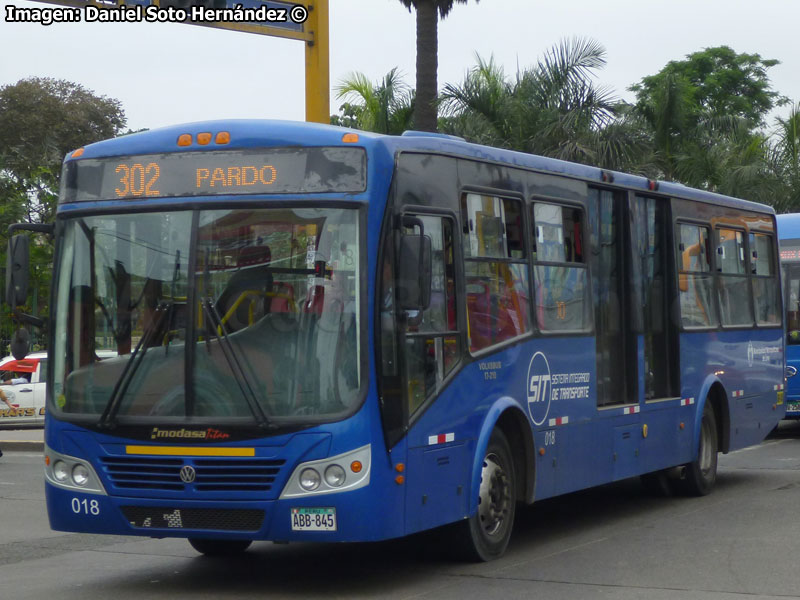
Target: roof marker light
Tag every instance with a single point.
(78, 153)
(185, 140)
(223, 137)
(203, 139)
(652, 185)
(350, 138)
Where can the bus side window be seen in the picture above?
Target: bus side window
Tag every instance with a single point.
(560, 276)
(765, 284)
(695, 281)
(431, 343)
(733, 284)
(497, 276)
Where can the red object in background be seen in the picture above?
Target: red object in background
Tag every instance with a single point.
(26, 365)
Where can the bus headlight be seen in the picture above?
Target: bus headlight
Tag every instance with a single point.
(306, 480)
(309, 480)
(80, 474)
(335, 476)
(71, 473)
(60, 471)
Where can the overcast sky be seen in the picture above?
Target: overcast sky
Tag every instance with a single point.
(165, 73)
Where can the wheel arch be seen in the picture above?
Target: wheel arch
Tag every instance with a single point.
(506, 415)
(714, 392)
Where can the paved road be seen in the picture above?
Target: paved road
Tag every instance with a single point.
(612, 542)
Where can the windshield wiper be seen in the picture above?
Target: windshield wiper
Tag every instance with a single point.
(163, 314)
(230, 354)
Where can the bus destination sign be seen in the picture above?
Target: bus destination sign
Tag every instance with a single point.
(214, 173)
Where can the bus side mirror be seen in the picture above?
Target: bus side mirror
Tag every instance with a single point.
(17, 270)
(414, 273)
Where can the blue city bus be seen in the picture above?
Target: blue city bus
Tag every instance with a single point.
(326, 335)
(789, 242)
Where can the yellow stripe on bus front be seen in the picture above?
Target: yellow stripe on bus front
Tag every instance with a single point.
(189, 451)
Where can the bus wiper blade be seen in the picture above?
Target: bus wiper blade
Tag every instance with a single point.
(229, 352)
(108, 418)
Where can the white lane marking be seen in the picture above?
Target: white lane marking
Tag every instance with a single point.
(761, 445)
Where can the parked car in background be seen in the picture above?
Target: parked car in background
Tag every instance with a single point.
(27, 399)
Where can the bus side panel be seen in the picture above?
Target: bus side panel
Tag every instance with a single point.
(749, 365)
(793, 383)
(446, 444)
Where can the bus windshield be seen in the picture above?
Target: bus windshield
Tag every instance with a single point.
(244, 313)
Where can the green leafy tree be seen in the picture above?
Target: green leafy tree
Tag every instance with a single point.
(41, 119)
(428, 14)
(722, 82)
(385, 107)
(704, 116)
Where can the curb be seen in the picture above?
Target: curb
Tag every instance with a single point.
(21, 446)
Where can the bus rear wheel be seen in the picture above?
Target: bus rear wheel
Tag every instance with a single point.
(219, 547)
(700, 475)
(485, 535)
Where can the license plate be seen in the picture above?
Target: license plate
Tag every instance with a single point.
(792, 406)
(314, 519)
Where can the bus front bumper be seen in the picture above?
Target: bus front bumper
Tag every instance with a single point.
(342, 517)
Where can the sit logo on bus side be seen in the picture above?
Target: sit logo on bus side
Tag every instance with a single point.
(539, 388)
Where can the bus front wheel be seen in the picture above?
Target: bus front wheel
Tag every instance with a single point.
(485, 535)
(219, 547)
(700, 475)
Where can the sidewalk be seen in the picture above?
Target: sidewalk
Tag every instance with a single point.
(22, 440)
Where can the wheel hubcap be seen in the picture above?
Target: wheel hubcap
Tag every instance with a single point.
(494, 500)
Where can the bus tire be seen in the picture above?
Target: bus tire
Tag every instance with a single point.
(485, 535)
(700, 475)
(219, 547)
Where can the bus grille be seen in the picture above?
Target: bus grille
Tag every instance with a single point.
(220, 519)
(212, 474)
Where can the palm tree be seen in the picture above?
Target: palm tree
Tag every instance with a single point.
(552, 109)
(784, 158)
(385, 107)
(428, 14)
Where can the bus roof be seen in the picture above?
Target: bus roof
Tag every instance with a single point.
(247, 133)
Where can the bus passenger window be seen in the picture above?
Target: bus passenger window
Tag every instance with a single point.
(765, 284)
(559, 275)
(497, 280)
(733, 290)
(695, 281)
(432, 346)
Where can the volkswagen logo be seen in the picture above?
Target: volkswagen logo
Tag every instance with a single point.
(188, 474)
